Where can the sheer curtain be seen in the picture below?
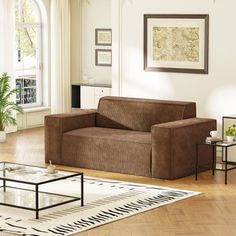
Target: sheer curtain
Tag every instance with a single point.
(7, 46)
(60, 56)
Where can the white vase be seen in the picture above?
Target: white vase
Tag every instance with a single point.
(230, 138)
(2, 136)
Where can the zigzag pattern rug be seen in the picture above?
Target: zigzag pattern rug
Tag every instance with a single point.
(105, 201)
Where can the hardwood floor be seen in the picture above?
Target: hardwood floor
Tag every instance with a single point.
(211, 213)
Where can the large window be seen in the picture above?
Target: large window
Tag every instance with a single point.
(28, 53)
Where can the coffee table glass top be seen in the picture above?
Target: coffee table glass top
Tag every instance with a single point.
(31, 174)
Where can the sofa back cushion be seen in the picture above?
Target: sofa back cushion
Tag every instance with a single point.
(140, 114)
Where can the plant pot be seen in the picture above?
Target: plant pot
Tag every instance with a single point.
(2, 136)
(230, 138)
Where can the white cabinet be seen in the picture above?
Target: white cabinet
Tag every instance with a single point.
(86, 97)
(100, 92)
(90, 95)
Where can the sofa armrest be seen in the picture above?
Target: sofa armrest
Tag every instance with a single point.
(174, 147)
(56, 125)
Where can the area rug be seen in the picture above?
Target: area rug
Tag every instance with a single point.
(105, 201)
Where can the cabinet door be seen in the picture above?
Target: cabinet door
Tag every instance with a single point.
(101, 92)
(87, 97)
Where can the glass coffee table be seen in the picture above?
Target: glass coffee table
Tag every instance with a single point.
(21, 187)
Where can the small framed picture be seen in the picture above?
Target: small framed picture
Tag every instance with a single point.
(103, 57)
(103, 37)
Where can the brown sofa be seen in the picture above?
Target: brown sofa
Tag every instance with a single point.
(146, 137)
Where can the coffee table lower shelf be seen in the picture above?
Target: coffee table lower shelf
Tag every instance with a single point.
(12, 194)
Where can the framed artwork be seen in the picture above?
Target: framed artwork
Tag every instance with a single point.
(176, 43)
(103, 37)
(103, 57)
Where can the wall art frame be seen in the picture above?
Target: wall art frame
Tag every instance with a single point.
(103, 37)
(176, 43)
(103, 57)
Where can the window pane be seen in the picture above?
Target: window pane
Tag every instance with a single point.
(29, 95)
(27, 90)
(19, 86)
(26, 58)
(26, 11)
(26, 42)
(26, 64)
(28, 52)
(17, 9)
(29, 11)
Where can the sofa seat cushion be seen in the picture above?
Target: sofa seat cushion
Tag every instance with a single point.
(108, 149)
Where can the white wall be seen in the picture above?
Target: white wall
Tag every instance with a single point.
(214, 93)
(86, 16)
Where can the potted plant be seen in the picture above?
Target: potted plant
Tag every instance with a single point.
(230, 133)
(7, 106)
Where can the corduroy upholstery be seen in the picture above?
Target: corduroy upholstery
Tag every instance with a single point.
(57, 125)
(140, 114)
(145, 137)
(174, 147)
(95, 147)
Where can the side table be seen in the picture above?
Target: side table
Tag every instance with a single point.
(224, 165)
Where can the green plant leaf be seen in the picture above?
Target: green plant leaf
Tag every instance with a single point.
(231, 131)
(7, 106)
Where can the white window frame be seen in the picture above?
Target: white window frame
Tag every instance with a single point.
(39, 55)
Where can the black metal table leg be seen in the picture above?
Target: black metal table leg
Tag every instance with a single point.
(36, 201)
(213, 159)
(4, 185)
(226, 167)
(82, 189)
(4, 181)
(196, 170)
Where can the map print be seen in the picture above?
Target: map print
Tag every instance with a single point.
(104, 37)
(176, 44)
